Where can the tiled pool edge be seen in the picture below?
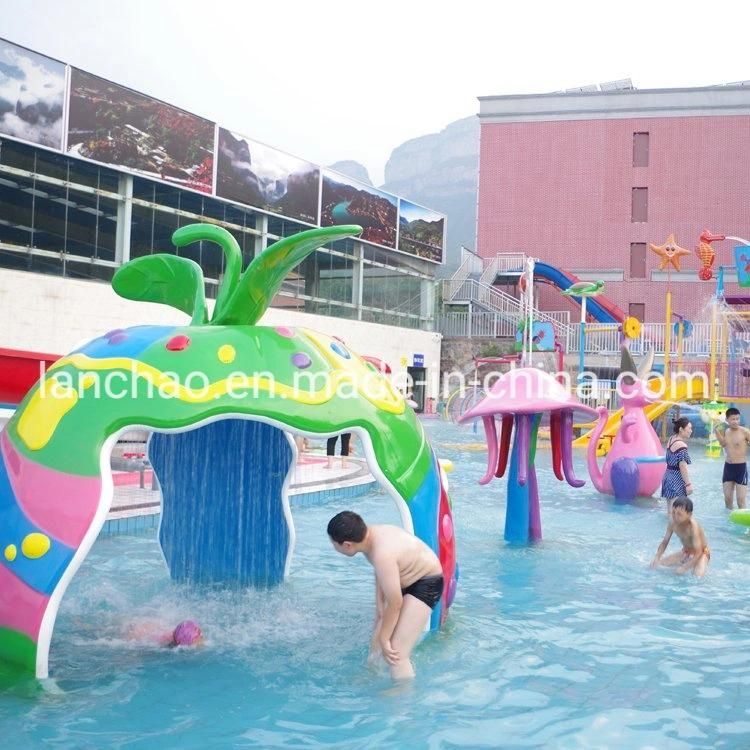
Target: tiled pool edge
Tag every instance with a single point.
(144, 521)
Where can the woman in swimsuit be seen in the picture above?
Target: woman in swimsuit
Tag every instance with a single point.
(676, 481)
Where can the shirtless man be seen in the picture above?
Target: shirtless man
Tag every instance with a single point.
(734, 440)
(408, 584)
(695, 552)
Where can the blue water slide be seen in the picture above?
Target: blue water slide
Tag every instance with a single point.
(563, 280)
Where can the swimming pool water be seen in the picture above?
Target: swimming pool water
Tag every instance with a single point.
(571, 643)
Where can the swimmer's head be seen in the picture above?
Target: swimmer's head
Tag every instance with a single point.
(187, 633)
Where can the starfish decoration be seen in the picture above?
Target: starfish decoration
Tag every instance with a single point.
(670, 253)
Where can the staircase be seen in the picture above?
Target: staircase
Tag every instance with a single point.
(492, 310)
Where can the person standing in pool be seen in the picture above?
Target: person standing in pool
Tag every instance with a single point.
(734, 439)
(346, 449)
(408, 584)
(676, 482)
(695, 552)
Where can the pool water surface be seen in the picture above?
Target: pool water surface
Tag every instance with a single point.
(571, 643)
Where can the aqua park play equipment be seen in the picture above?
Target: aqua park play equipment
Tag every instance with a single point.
(518, 400)
(635, 464)
(223, 397)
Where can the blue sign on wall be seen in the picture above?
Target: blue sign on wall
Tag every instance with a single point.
(418, 360)
(742, 259)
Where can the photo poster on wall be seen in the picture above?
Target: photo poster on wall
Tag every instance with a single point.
(348, 201)
(32, 96)
(263, 177)
(114, 125)
(421, 231)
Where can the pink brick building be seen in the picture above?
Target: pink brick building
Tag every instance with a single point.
(584, 181)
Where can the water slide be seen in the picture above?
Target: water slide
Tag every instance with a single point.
(684, 390)
(600, 308)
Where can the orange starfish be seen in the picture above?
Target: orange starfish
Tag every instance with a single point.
(670, 253)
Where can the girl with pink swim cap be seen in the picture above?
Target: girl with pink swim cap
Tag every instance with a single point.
(187, 633)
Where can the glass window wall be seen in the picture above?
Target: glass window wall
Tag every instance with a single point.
(59, 216)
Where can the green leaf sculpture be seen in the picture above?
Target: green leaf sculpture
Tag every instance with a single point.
(263, 277)
(167, 280)
(242, 300)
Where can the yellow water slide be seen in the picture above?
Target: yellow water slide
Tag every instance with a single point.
(684, 390)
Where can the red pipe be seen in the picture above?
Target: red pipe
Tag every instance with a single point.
(506, 430)
(19, 372)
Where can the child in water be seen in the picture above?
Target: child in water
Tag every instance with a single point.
(695, 552)
(187, 633)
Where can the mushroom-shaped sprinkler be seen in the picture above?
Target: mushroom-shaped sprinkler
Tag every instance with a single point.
(520, 398)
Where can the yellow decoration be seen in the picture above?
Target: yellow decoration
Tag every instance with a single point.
(446, 464)
(377, 389)
(43, 413)
(670, 253)
(631, 328)
(11, 552)
(403, 361)
(227, 354)
(35, 546)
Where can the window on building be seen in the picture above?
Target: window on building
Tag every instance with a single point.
(637, 260)
(640, 149)
(639, 207)
(637, 310)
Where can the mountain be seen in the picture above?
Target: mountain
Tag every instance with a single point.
(440, 171)
(352, 169)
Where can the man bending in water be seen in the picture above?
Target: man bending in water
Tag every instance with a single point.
(695, 553)
(408, 584)
(734, 440)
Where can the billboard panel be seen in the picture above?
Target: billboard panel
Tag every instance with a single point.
(346, 201)
(260, 176)
(421, 232)
(32, 91)
(112, 124)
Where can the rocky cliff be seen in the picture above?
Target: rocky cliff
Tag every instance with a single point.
(352, 169)
(440, 171)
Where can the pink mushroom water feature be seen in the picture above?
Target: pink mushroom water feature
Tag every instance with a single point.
(520, 398)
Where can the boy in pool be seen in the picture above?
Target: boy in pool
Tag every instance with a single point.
(734, 439)
(695, 552)
(408, 584)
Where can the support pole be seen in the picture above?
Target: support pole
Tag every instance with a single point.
(582, 340)
(712, 367)
(667, 355)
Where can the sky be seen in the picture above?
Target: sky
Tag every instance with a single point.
(328, 80)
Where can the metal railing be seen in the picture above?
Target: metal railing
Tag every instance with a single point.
(605, 338)
(491, 325)
(489, 272)
(476, 325)
(493, 300)
(510, 263)
(463, 271)
(503, 263)
(599, 393)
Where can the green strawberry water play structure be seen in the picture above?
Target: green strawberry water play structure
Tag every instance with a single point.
(223, 397)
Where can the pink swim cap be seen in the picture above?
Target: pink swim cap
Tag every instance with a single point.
(187, 633)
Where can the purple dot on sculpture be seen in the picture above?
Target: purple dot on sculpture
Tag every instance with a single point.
(301, 360)
(112, 333)
(340, 350)
(285, 332)
(117, 338)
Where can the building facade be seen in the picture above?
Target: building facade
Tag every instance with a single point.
(93, 175)
(586, 180)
